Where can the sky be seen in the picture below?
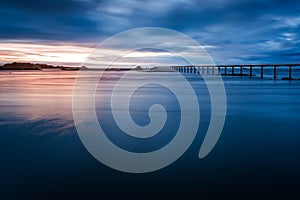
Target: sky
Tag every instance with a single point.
(64, 32)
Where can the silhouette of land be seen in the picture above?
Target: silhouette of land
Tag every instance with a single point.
(46, 67)
(33, 66)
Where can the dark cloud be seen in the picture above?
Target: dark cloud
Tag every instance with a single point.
(40, 19)
(240, 30)
(48, 7)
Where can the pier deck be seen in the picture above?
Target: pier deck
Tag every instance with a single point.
(236, 70)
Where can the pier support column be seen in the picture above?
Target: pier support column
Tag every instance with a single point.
(232, 70)
(251, 71)
(198, 70)
(213, 70)
(207, 70)
(194, 70)
(241, 71)
(219, 71)
(290, 72)
(261, 72)
(202, 70)
(225, 71)
(275, 72)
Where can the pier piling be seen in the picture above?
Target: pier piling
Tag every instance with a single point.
(290, 72)
(216, 69)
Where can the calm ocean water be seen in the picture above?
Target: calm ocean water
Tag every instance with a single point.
(257, 155)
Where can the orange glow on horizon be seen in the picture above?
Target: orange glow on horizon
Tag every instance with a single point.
(58, 54)
(74, 55)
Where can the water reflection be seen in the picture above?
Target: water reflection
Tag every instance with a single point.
(259, 146)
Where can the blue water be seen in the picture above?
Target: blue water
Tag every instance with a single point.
(257, 155)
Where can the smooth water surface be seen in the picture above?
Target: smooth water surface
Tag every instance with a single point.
(257, 155)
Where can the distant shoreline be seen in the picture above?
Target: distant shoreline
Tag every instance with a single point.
(17, 66)
(24, 66)
(34, 67)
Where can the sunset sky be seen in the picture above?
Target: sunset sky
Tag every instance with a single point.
(64, 32)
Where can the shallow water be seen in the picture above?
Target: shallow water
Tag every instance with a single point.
(257, 155)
